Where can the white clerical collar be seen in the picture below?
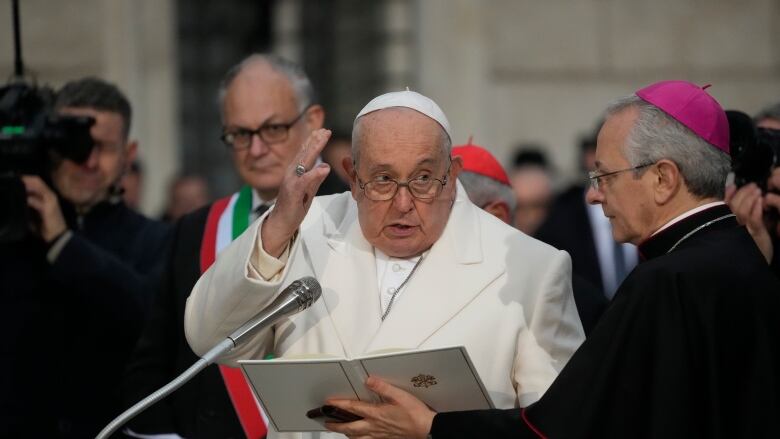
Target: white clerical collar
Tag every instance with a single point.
(383, 260)
(693, 211)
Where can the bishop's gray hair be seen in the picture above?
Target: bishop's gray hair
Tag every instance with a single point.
(656, 136)
(301, 85)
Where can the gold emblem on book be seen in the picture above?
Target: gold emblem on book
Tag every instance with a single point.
(423, 380)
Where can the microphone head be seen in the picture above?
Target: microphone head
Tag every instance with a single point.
(298, 296)
(307, 291)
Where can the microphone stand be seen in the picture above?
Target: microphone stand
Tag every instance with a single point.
(207, 359)
(295, 298)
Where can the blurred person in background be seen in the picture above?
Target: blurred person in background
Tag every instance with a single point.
(769, 117)
(76, 291)
(585, 233)
(339, 146)
(532, 182)
(186, 193)
(486, 182)
(488, 187)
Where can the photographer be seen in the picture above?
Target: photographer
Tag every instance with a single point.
(76, 289)
(758, 210)
(749, 204)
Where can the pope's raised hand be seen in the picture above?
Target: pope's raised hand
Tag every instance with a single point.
(301, 182)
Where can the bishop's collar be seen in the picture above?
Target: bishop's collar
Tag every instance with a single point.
(687, 229)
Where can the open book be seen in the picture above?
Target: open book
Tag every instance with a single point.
(443, 378)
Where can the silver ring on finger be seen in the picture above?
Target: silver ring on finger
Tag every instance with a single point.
(300, 169)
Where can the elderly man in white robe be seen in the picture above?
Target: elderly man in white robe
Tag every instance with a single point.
(405, 261)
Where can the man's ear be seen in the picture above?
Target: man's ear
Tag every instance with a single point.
(131, 151)
(456, 166)
(349, 167)
(500, 210)
(315, 117)
(667, 181)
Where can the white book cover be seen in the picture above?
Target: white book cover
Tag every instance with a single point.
(444, 378)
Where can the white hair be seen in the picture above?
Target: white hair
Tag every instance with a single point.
(483, 190)
(299, 81)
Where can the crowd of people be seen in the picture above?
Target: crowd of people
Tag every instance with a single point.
(636, 304)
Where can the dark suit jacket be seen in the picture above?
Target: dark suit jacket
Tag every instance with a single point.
(567, 227)
(201, 408)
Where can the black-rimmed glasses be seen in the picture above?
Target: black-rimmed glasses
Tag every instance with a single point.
(241, 138)
(595, 179)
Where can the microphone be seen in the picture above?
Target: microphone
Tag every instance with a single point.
(298, 296)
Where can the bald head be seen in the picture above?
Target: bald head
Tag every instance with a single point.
(257, 65)
(257, 84)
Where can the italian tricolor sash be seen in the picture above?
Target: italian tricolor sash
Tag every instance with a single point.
(227, 219)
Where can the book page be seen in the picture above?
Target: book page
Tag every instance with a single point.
(444, 378)
(288, 389)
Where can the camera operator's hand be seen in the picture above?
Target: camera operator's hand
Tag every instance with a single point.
(749, 205)
(41, 198)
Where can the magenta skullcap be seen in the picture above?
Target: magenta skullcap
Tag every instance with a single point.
(408, 99)
(693, 107)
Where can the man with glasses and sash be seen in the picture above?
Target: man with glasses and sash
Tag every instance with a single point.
(268, 107)
(405, 261)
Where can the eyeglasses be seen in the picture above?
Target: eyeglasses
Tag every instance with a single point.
(422, 187)
(241, 138)
(595, 179)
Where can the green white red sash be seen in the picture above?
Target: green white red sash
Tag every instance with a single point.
(227, 219)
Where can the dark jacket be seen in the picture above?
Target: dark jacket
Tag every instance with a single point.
(567, 227)
(202, 407)
(69, 326)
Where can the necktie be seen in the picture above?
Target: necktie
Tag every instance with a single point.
(260, 210)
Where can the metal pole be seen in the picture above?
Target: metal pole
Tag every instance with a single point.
(18, 64)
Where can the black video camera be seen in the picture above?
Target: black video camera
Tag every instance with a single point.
(755, 152)
(32, 140)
